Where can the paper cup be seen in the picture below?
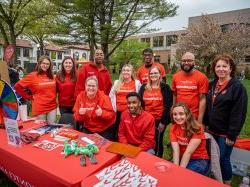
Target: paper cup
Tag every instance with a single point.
(23, 112)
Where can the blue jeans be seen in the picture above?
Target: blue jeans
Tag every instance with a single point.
(225, 153)
(200, 166)
(151, 151)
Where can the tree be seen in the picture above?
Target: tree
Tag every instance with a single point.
(208, 38)
(108, 22)
(45, 29)
(130, 51)
(16, 15)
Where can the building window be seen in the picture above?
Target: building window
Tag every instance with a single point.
(146, 40)
(53, 55)
(158, 41)
(157, 58)
(59, 55)
(84, 55)
(26, 52)
(18, 51)
(47, 53)
(76, 56)
(247, 59)
(226, 27)
(171, 39)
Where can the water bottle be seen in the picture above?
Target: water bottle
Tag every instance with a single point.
(245, 182)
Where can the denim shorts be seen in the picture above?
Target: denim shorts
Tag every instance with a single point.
(200, 166)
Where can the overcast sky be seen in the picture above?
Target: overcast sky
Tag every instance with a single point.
(190, 8)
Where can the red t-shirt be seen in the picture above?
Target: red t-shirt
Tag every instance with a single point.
(153, 101)
(142, 73)
(65, 91)
(177, 134)
(188, 87)
(43, 92)
(121, 102)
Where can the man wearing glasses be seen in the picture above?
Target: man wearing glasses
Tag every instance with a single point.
(190, 86)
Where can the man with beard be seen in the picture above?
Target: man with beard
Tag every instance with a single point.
(137, 127)
(190, 86)
(97, 69)
(143, 70)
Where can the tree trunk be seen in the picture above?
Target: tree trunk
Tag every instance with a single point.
(13, 61)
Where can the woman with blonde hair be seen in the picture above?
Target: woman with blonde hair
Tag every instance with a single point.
(126, 83)
(157, 100)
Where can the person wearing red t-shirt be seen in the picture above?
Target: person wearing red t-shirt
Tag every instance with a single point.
(157, 100)
(188, 140)
(190, 86)
(94, 111)
(142, 72)
(125, 84)
(65, 85)
(97, 69)
(40, 87)
(137, 127)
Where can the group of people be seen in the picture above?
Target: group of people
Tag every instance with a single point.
(137, 108)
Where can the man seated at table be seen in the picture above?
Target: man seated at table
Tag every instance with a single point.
(137, 127)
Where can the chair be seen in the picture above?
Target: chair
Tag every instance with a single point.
(214, 155)
(67, 118)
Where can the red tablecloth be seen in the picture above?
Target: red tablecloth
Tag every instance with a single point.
(31, 166)
(174, 176)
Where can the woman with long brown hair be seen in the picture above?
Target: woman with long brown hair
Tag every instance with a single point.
(65, 85)
(188, 140)
(42, 90)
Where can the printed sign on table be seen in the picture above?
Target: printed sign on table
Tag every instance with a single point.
(12, 131)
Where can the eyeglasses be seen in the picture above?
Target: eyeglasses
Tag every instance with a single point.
(187, 60)
(154, 73)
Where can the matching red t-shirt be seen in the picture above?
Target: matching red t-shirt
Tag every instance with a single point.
(43, 90)
(91, 121)
(121, 101)
(153, 102)
(143, 72)
(138, 131)
(188, 86)
(65, 90)
(177, 134)
(102, 75)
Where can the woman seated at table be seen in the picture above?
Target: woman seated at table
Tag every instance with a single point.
(157, 100)
(65, 85)
(188, 140)
(40, 87)
(126, 83)
(94, 111)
